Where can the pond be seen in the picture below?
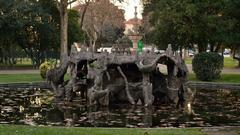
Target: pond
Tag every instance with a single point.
(37, 107)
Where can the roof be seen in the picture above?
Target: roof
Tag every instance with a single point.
(134, 21)
(78, 7)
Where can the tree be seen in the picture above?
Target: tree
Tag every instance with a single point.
(75, 33)
(171, 22)
(64, 28)
(110, 34)
(84, 5)
(101, 18)
(184, 23)
(35, 26)
(62, 5)
(29, 25)
(233, 34)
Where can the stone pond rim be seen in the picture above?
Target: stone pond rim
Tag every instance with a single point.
(191, 84)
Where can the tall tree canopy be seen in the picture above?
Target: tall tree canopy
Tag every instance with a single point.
(184, 23)
(103, 21)
(30, 25)
(33, 26)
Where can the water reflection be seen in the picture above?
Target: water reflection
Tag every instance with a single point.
(37, 107)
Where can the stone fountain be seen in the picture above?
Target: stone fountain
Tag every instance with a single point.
(121, 78)
(134, 34)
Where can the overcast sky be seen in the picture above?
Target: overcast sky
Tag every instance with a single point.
(129, 5)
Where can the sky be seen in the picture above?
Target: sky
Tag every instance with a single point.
(128, 6)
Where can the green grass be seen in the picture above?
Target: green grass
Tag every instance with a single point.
(19, 78)
(30, 130)
(188, 60)
(226, 78)
(22, 78)
(229, 62)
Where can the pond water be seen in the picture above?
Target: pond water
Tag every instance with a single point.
(37, 107)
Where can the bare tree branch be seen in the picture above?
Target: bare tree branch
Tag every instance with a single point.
(72, 1)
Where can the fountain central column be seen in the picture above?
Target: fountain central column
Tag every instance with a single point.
(135, 38)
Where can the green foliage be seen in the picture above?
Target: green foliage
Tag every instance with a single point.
(75, 33)
(44, 67)
(207, 66)
(33, 27)
(229, 62)
(184, 23)
(110, 34)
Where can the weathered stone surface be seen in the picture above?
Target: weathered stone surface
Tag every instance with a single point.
(55, 77)
(121, 77)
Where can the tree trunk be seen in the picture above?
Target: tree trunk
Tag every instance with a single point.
(222, 50)
(202, 48)
(211, 47)
(84, 12)
(218, 47)
(64, 28)
(236, 58)
(181, 52)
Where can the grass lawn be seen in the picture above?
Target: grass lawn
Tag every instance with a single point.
(229, 62)
(188, 60)
(33, 130)
(226, 78)
(21, 78)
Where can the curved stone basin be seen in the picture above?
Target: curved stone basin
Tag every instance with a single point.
(36, 107)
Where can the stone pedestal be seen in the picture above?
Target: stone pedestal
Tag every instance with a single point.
(135, 38)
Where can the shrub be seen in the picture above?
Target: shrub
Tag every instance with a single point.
(207, 66)
(44, 67)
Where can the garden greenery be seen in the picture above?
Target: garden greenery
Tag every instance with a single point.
(207, 66)
(44, 67)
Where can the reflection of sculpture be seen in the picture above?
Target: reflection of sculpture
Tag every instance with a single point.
(125, 78)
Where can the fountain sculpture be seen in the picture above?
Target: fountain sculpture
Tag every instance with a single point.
(121, 77)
